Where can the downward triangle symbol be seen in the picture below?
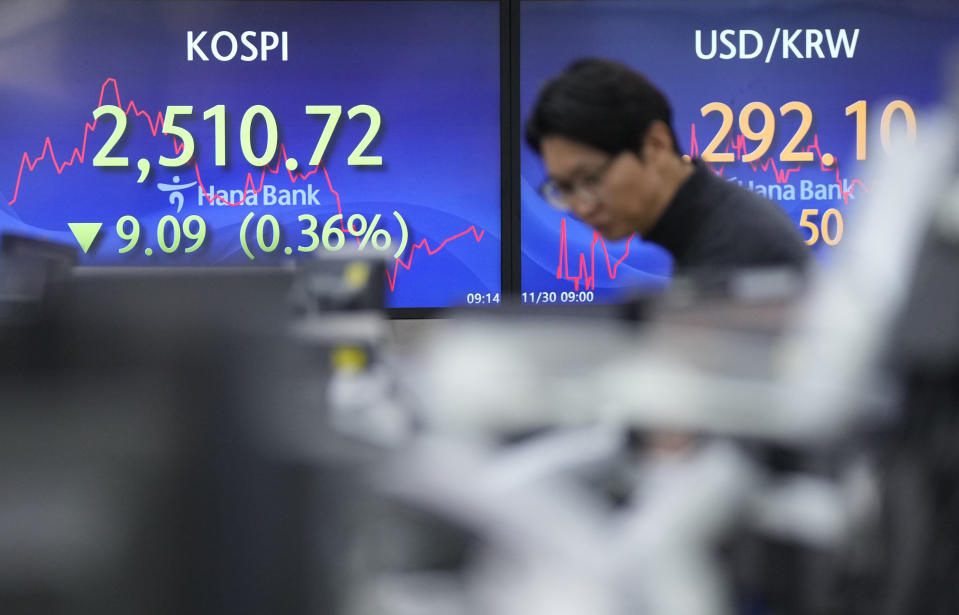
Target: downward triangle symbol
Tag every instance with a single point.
(85, 232)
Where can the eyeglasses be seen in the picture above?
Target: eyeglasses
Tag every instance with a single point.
(561, 194)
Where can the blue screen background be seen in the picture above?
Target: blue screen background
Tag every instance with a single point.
(900, 54)
(432, 70)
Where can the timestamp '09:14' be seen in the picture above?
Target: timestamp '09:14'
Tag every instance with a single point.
(482, 298)
(186, 148)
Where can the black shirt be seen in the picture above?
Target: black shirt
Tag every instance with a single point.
(716, 225)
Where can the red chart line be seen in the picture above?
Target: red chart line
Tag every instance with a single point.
(738, 146)
(79, 153)
(424, 244)
(251, 184)
(587, 273)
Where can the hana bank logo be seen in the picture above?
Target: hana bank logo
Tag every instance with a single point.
(176, 191)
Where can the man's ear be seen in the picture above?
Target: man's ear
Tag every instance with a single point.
(656, 139)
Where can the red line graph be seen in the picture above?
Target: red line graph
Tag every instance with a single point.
(587, 273)
(424, 244)
(79, 153)
(251, 184)
(738, 145)
(421, 245)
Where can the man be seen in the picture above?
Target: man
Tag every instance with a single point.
(605, 136)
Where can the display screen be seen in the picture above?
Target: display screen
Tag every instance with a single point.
(258, 133)
(786, 99)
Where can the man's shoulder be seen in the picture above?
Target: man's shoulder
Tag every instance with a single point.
(735, 194)
(745, 228)
(728, 199)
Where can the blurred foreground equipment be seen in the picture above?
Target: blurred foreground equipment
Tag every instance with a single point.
(162, 449)
(733, 453)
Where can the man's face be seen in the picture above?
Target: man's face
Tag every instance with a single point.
(617, 195)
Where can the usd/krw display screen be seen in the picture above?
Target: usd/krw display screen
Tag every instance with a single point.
(254, 133)
(785, 99)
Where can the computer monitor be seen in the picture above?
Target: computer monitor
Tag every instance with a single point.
(831, 84)
(258, 133)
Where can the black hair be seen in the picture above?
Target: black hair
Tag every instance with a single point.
(601, 103)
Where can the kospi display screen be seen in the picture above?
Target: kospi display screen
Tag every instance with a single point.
(786, 99)
(254, 133)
